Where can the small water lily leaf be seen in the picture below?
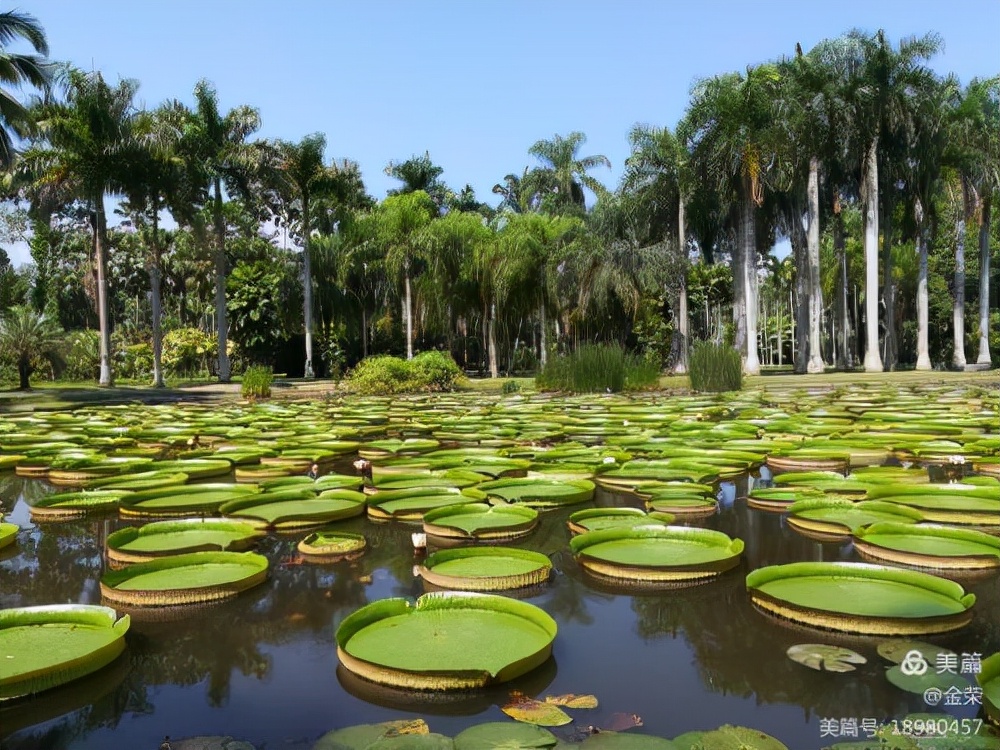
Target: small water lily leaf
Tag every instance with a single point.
(821, 657)
(688, 741)
(918, 683)
(361, 736)
(896, 650)
(501, 735)
(619, 722)
(413, 742)
(530, 711)
(572, 700)
(899, 742)
(728, 737)
(615, 741)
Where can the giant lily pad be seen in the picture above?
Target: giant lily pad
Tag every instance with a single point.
(42, 647)
(182, 501)
(184, 579)
(480, 521)
(332, 546)
(728, 737)
(64, 505)
(596, 519)
(485, 568)
(656, 553)
(410, 505)
(610, 740)
(861, 598)
(836, 519)
(919, 683)
(179, 536)
(445, 641)
(363, 736)
(502, 735)
(897, 649)
(540, 493)
(271, 510)
(989, 680)
(928, 546)
(8, 533)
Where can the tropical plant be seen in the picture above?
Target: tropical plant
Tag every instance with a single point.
(384, 374)
(557, 186)
(598, 368)
(16, 70)
(419, 173)
(715, 368)
(26, 337)
(256, 383)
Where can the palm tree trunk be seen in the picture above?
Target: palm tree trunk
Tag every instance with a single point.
(156, 303)
(683, 324)
(889, 290)
(24, 373)
(104, 322)
(408, 304)
(543, 339)
(307, 292)
(364, 332)
(923, 315)
(958, 307)
(222, 325)
(748, 240)
(800, 251)
(844, 358)
(984, 283)
(492, 343)
(816, 363)
(873, 360)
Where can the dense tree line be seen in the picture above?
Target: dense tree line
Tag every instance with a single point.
(879, 172)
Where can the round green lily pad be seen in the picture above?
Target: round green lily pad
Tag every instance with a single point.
(189, 499)
(179, 536)
(485, 568)
(412, 504)
(596, 519)
(445, 641)
(624, 741)
(656, 553)
(480, 521)
(184, 579)
(64, 505)
(43, 647)
(989, 680)
(504, 735)
(332, 546)
(896, 650)
(834, 519)
(540, 493)
(861, 598)
(822, 657)
(928, 546)
(8, 533)
(918, 683)
(297, 510)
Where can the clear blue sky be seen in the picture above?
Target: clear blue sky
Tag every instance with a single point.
(473, 82)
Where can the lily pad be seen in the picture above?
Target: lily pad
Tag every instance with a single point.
(929, 546)
(181, 501)
(446, 641)
(728, 737)
(43, 647)
(480, 521)
(485, 568)
(572, 700)
(621, 741)
(273, 510)
(835, 519)
(919, 683)
(179, 536)
(596, 519)
(362, 736)
(989, 680)
(502, 735)
(540, 493)
(332, 546)
(896, 650)
(530, 711)
(822, 657)
(8, 533)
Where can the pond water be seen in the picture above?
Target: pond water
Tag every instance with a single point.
(263, 667)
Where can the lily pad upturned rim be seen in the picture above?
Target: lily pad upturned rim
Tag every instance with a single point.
(8, 534)
(500, 582)
(523, 521)
(63, 670)
(432, 679)
(311, 548)
(731, 553)
(245, 535)
(517, 490)
(301, 508)
(831, 529)
(834, 618)
(256, 566)
(989, 680)
(77, 504)
(869, 547)
(576, 521)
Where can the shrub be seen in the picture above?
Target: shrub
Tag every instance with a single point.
(188, 351)
(135, 361)
(83, 356)
(510, 386)
(715, 367)
(385, 374)
(598, 367)
(257, 383)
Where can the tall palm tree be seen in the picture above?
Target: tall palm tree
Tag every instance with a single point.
(881, 89)
(653, 176)
(87, 151)
(558, 184)
(17, 70)
(25, 337)
(225, 158)
(729, 128)
(418, 173)
(400, 220)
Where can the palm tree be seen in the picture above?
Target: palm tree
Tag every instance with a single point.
(399, 220)
(558, 184)
(16, 70)
(88, 150)
(881, 90)
(730, 131)
(419, 173)
(653, 175)
(25, 337)
(221, 151)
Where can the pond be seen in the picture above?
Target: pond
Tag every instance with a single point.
(263, 666)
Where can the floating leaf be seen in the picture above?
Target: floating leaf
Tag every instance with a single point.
(413, 742)
(896, 651)
(407, 726)
(572, 700)
(919, 683)
(728, 737)
(615, 741)
(530, 711)
(619, 722)
(821, 657)
(361, 736)
(501, 735)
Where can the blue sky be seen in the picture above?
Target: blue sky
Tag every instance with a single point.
(473, 82)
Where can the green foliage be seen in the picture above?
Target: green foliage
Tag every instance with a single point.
(653, 332)
(135, 361)
(82, 356)
(27, 340)
(599, 367)
(428, 371)
(259, 297)
(509, 387)
(188, 351)
(715, 367)
(257, 383)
